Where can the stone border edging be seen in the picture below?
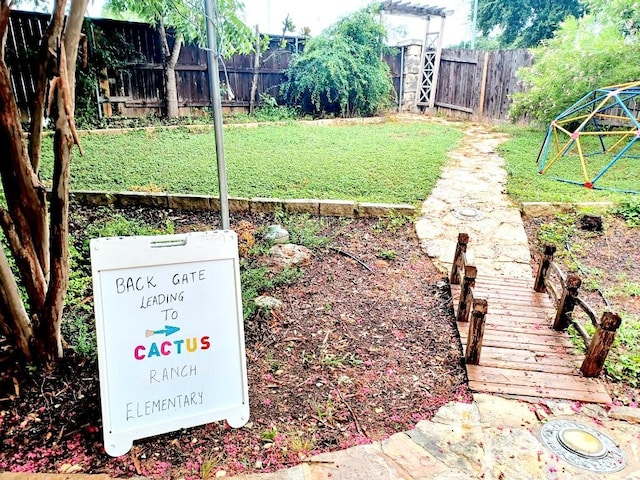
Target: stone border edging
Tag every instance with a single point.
(329, 208)
(206, 127)
(540, 209)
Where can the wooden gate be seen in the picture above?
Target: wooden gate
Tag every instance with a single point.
(479, 84)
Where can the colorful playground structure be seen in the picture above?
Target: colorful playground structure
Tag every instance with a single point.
(605, 120)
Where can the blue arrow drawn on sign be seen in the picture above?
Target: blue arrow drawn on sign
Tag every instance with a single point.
(168, 330)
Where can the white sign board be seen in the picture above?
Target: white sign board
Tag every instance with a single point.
(170, 334)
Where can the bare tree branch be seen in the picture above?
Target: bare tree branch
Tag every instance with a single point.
(19, 326)
(46, 68)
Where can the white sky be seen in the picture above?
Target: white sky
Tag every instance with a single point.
(318, 15)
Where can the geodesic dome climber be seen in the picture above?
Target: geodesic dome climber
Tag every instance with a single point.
(597, 135)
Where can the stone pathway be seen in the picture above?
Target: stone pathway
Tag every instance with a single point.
(492, 439)
(469, 197)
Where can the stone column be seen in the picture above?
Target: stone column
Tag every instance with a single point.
(411, 74)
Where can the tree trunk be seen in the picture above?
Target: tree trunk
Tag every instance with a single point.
(64, 141)
(256, 73)
(38, 244)
(170, 60)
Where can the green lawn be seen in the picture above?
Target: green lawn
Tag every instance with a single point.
(384, 162)
(391, 161)
(525, 184)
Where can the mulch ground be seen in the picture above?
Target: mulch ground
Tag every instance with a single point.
(354, 356)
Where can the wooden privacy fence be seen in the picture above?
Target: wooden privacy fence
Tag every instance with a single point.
(468, 306)
(470, 83)
(479, 84)
(567, 299)
(136, 87)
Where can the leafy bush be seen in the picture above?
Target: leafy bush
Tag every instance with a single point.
(630, 211)
(584, 55)
(623, 363)
(270, 111)
(341, 72)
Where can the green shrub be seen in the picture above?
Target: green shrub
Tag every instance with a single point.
(341, 72)
(584, 55)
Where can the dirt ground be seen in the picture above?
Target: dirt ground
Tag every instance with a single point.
(354, 356)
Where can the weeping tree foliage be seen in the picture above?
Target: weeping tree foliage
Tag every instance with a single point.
(186, 19)
(597, 50)
(524, 23)
(36, 231)
(341, 72)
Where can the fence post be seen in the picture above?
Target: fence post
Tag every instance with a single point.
(567, 302)
(466, 293)
(461, 250)
(476, 331)
(545, 262)
(600, 344)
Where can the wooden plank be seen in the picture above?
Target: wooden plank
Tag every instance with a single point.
(546, 349)
(516, 302)
(504, 313)
(527, 356)
(579, 396)
(522, 338)
(537, 329)
(511, 294)
(511, 377)
(454, 107)
(527, 367)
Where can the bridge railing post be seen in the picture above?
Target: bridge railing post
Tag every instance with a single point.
(543, 269)
(459, 258)
(466, 293)
(567, 302)
(600, 344)
(476, 331)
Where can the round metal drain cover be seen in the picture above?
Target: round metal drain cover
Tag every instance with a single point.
(468, 213)
(582, 446)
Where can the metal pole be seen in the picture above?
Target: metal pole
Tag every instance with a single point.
(403, 51)
(474, 22)
(216, 106)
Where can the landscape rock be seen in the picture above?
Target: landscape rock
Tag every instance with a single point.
(282, 256)
(267, 303)
(628, 414)
(591, 223)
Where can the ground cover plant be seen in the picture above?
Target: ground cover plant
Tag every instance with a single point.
(395, 162)
(525, 184)
(354, 355)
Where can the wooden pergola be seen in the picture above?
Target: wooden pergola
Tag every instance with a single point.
(431, 46)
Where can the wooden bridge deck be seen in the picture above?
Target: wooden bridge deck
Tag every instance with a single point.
(521, 354)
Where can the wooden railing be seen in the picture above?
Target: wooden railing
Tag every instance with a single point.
(567, 299)
(468, 305)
